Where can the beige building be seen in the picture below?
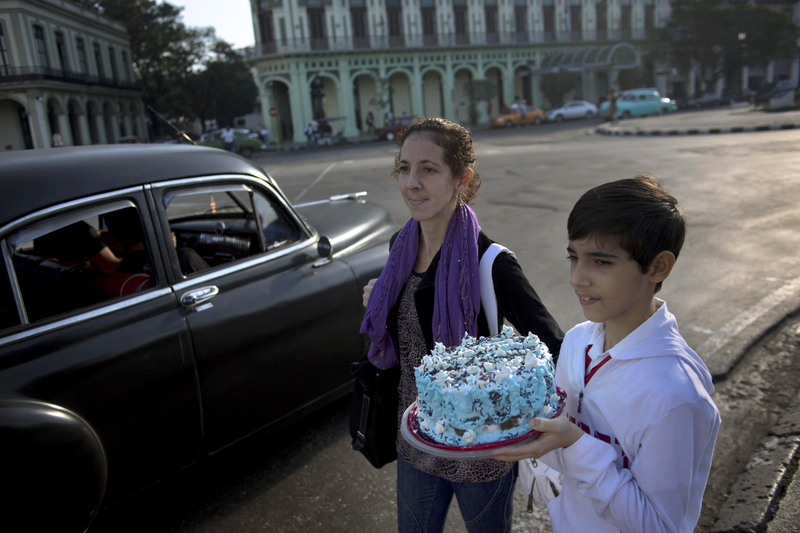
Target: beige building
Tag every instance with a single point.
(66, 78)
(347, 58)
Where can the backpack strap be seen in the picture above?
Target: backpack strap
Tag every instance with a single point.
(488, 297)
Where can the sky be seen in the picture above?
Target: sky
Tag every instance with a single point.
(231, 18)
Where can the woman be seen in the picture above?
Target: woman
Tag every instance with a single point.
(429, 292)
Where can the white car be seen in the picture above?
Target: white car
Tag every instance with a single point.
(571, 110)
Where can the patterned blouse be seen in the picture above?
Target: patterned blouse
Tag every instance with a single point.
(412, 348)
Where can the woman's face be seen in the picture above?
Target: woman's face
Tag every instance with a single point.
(428, 186)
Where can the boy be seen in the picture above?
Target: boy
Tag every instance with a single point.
(635, 441)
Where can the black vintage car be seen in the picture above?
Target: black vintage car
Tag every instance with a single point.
(158, 303)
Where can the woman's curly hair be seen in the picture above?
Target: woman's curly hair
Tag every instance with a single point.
(456, 142)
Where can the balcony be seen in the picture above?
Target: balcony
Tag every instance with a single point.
(450, 40)
(33, 74)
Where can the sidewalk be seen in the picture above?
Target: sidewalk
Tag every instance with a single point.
(712, 121)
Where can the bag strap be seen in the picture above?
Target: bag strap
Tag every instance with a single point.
(488, 296)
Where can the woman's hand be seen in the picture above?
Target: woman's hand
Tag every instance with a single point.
(368, 290)
(555, 433)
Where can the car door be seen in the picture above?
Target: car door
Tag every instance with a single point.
(574, 110)
(106, 350)
(274, 327)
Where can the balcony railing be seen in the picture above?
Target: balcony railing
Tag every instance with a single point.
(373, 42)
(26, 74)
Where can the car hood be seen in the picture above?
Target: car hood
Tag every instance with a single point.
(349, 224)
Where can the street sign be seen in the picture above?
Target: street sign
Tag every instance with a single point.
(273, 111)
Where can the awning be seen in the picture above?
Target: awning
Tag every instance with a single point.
(617, 56)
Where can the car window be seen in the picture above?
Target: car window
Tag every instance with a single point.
(9, 316)
(213, 226)
(78, 260)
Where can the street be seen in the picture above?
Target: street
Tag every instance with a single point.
(737, 266)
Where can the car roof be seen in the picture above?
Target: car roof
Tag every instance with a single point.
(34, 179)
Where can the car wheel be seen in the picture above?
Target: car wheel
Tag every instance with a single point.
(589, 115)
(390, 136)
(246, 152)
(559, 118)
(509, 123)
(626, 115)
(537, 121)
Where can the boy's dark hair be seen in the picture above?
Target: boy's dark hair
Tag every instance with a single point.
(638, 212)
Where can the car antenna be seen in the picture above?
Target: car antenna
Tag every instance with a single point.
(171, 125)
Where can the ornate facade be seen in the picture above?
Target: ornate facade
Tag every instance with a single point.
(66, 78)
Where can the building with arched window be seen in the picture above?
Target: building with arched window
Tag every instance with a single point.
(347, 58)
(65, 78)
(326, 58)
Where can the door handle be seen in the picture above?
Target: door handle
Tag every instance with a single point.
(198, 296)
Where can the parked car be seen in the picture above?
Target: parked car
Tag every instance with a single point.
(390, 131)
(709, 99)
(763, 97)
(244, 141)
(533, 115)
(115, 378)
(639, 103)
(571, 110)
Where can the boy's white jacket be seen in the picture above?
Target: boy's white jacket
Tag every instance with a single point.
(651, 427)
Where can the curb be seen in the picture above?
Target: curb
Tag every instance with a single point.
(696, 131)
(756, 496)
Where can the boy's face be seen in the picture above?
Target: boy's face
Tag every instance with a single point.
(610, 286)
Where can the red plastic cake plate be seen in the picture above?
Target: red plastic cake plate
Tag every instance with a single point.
(409, 428)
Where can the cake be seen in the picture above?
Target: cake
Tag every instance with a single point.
(485, 390)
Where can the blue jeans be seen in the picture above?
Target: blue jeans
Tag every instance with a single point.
(423, 501)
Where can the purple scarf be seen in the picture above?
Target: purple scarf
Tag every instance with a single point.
(457, 297)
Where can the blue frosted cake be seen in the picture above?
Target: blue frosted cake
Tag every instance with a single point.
(485, 390)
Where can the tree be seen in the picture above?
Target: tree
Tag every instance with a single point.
(555, 86)
(171, 61)
(721, 39)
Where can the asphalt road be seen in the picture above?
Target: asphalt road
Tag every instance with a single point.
(738, 265)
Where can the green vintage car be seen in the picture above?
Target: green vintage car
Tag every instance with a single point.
(245, 144)
(640, 103)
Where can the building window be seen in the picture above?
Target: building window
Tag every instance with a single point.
(549, 20)
(126, 66)
(575, 22)
(82, 65)
(41, 49)
(490, 13)
(428, 12)
(3, 54)
(98, 59)
(62, 51)
(625, 18)
(112, 59)
(649, 15)
(394, 22)
(601, 13)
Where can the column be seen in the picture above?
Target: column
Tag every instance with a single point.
(794, 71)
(347, 105)
(417, 107)
(745, 77)
(126, 121)
(83, 125)
(536, 88)
(589, 93)
(65, 130)
(692, 82)
(298, 97)
(100, 124)
(771, 72)
(37, 118)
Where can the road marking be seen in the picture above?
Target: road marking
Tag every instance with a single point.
(700, 329)
(745, 318)
(314, 182)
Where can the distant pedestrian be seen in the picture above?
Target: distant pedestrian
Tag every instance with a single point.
(264, 133)
(227, 138)
(370, 122)
(311, 135)
(612, 107)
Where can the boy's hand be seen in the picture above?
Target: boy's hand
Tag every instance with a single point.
(556, 433)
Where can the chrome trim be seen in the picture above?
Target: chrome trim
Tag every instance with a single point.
(39, 330)
(336, 198)
(199, 296)
(67, 205)
(244, 264)
(260, 182)
(230, 187)
(15, 288)
(42, 228)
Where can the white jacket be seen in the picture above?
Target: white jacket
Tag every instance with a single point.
(651, 427)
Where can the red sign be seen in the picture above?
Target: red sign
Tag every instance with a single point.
(273, 111)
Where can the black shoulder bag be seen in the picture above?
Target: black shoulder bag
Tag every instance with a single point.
(373, 411)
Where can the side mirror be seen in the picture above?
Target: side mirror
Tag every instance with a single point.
(324, 247)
